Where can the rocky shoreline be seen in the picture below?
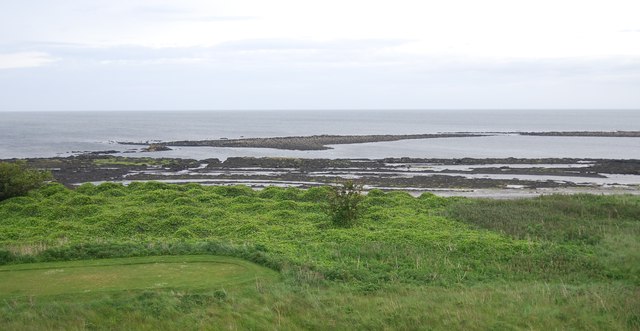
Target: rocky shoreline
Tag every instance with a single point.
(466, 176)
(621, 134)
(459, 176)
(303, 143)
(323, 142)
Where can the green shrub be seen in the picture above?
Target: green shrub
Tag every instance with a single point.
(233, 191)
(345, 204)
(316, 194)
(5, 257)
(377, 214)
(106, 186)
(184, 233)
(184, 201)
(79, 200)
(269, 192)
(376, 193)
(209, 197)
(17, 179)
(86, 188)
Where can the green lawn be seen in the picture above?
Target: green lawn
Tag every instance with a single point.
(139, 273)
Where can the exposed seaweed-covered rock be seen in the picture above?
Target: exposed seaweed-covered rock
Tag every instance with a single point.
(156, 148)
(305, 143)
(624, 134)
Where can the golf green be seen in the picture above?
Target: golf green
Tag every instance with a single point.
(190, 272)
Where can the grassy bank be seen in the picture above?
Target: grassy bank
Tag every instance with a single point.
(410, 263)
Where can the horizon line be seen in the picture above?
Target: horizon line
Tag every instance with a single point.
(304, 109)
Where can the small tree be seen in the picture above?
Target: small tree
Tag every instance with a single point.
(17, 179)
(345, 203)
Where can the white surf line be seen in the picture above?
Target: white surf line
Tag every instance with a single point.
(522, 193)
(608, 179)
(209, 173)
(471, 167)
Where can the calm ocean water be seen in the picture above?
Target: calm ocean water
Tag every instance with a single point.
(46, 134)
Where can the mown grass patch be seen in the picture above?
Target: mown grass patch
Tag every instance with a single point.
(177, 272)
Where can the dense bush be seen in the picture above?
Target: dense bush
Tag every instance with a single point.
(345, 203)
(17, 179)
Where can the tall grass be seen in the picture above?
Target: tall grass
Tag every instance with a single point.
(558, 262)
(558, 218)
(536, 306)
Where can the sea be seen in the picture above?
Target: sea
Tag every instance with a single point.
(65, 133)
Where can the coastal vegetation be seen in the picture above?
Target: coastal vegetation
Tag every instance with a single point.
(17, 179)
(557, 262)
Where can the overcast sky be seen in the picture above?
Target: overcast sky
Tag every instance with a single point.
(278, 54)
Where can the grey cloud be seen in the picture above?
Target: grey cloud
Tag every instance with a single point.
(294, 44)
(289, 49)
(91, 53)
(38, 45)
(557, 67)
(242, 53)
(354, 59)
(196, 87)
(575, 67)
